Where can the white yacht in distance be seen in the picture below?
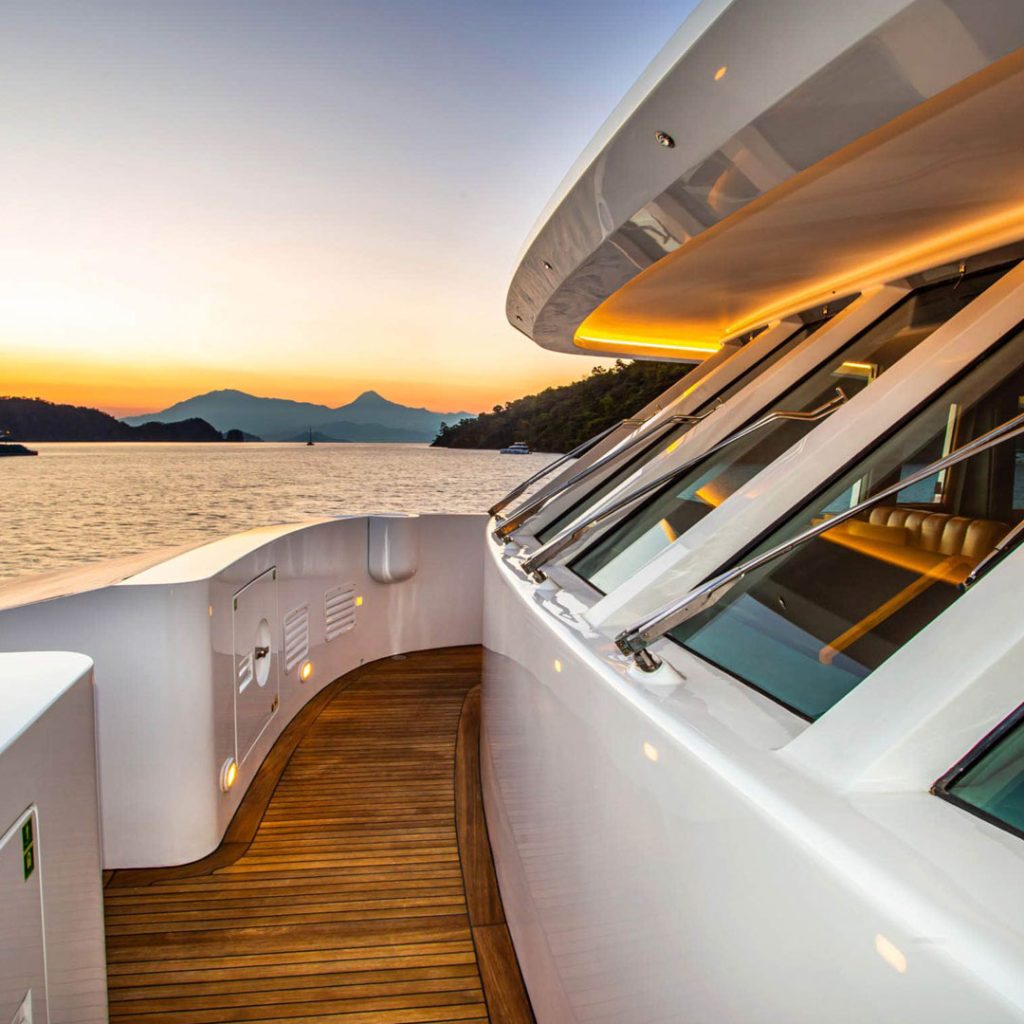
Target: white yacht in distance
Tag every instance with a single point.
(750, 721)
(516, 448)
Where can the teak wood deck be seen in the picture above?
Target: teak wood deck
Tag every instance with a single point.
(355, 883)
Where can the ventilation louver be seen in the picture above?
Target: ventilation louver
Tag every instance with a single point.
(340, 610)
(296, 637)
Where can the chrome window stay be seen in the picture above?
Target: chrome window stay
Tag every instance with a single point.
(571, 534)
(538, 501)
(635, 640)
(997, 553)
(580, 449)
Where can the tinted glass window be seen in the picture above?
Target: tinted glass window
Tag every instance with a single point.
(807, 627)
(703, 488)
(661, 444)
(994, 784)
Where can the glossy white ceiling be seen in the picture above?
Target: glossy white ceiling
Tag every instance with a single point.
(802, 80)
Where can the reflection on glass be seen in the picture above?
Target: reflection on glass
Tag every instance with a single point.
(809, 626)
(672, 512)
(654, 237)
(668, 443)
(994, 784)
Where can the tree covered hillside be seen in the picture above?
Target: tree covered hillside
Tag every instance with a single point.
(560, 418)
(32, 419)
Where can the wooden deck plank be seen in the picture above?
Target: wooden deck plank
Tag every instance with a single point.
(355, 883)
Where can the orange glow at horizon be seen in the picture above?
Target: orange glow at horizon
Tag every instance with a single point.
(181, 216)
(126, 390)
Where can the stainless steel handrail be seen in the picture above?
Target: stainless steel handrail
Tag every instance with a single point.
(571, 534)
(635, 640)
(539, 501)
(580, 449)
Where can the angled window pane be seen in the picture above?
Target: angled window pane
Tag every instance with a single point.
(807, 627)
(994, 784)
(662, 444)
(656, 524)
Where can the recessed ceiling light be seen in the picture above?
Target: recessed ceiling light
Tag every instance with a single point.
(664, 139)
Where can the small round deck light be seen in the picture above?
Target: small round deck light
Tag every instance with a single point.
(547, 265)
(306, 671)
(650, 751)
(228, 774)
(664, 139)
(721, 72)
(359, 602)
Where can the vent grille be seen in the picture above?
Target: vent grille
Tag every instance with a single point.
(340, 610)
(244, 671)
(296, 637)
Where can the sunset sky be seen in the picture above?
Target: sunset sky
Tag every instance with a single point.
(298, 199)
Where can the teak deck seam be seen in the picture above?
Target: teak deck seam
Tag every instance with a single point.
(355, 882)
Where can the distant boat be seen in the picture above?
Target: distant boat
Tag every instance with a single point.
(310, 442)
(16, 449)
(516, 448)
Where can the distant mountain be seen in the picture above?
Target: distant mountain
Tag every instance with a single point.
(345, 430)
(32, 419)
(279, 419)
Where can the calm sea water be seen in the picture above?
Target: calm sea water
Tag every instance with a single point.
(79, 503)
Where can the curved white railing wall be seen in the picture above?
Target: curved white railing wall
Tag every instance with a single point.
(662, 856)
(182, 687)
(52, 962)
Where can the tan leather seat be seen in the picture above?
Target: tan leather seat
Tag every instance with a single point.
(941, 533)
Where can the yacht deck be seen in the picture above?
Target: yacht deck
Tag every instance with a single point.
(354, 884)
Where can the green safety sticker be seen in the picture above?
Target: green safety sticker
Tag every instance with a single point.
(28, 853)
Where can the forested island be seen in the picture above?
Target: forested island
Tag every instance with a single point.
(33, 419)
(557, 419)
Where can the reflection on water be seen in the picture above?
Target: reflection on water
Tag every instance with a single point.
(79, 503)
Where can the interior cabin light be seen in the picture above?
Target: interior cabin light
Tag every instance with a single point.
(306, 672)
(558, 665)
(359, 602)
(228, 774)
(860, 371)
(650, 751)
(721, 72)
